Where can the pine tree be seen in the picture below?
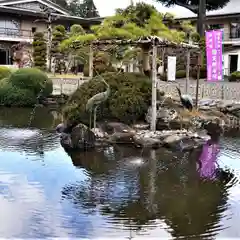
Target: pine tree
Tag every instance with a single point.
(84, 9)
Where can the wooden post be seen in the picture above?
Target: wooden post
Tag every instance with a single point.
(198, 76)
(90, 61)
(49, 41)
(154, 88)
(187, 71)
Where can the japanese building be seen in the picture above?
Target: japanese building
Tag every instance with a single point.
(20, 19)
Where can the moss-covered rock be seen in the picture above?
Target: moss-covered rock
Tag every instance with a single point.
(128, 102)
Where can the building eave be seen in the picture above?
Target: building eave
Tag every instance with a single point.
(27, 12)
(212, 17)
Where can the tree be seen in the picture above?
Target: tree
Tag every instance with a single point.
(62, 3)
(196, 8)
(139, 21)
(132, 23)
(59, 34)
(86, 9)
(39, 50)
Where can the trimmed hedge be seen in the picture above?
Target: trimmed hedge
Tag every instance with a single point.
(234, 77)
(179, 74)
(4, 72)
(128, 102)
(32, 79)
(14, 96)
(23, 86)
(203, 72)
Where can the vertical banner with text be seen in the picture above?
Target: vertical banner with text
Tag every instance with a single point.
(214, 53)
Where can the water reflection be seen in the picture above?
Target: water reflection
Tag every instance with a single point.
(19, 117)
(166, 187)
(114, 191)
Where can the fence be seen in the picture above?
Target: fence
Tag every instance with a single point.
(221, 90)
(66, 86)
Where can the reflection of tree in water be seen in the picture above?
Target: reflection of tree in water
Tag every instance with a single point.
(19, 117)
(172, 192)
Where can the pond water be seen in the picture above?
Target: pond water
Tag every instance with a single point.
(115, 192)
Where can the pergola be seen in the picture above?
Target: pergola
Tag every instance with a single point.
(155, 42)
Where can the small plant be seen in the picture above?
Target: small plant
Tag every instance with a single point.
(234, 77)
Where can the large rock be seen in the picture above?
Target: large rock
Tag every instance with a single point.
(80, 138)
(116, 132)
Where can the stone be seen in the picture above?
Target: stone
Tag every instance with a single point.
(174, 139)
(82, 137)
(60, 128)
(117, 132)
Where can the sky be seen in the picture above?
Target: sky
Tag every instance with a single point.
(107, 7)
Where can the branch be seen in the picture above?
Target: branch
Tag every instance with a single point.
(192, 8)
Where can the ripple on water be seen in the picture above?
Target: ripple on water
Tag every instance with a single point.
(28, 140)
(124, 192)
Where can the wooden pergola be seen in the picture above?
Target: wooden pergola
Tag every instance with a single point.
(155, 42)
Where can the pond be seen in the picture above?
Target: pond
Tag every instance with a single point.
(116, 192)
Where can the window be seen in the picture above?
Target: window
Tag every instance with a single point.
(9, 27)
(34, 29)
(234, 30)
(215, 26)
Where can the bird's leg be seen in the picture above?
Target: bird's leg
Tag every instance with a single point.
(94, 117)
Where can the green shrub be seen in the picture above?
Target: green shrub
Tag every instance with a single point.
(39, 50)
(128, 102)
(14, 96)
(203, 72)
(234, 77)
(32, 79)
(180, 74)
(4, 72)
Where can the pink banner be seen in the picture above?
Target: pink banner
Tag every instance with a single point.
(214, 52)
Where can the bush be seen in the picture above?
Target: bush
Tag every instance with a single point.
(203, 72)
(39, 50)
(4, 72)
(32, 79)
(14, 96)
(180, 74)
(234, 77)
(128, 102)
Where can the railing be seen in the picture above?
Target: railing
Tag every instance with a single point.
(15, 33)
(221, 90)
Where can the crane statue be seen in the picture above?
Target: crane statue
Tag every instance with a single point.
(95, 101)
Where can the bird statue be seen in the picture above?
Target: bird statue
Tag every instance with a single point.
(95, 101)
(186, 101)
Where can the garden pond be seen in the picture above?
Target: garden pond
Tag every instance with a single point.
(115, 191)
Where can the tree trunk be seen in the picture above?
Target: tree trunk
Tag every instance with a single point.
(201, 18)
